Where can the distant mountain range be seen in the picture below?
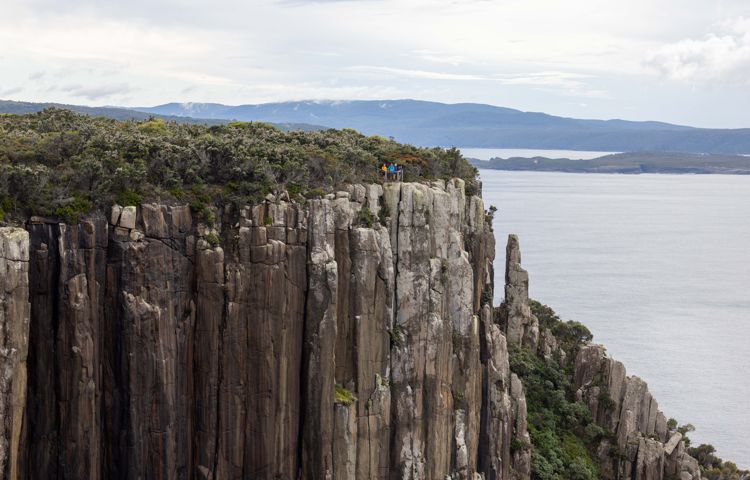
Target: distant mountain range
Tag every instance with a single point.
(122, 113)
(637, 162)
(476, 125)
(439, 124)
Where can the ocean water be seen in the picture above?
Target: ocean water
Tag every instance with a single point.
(488, 153)
(658, 267)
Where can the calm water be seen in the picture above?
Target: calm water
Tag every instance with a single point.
(658, 267)
(487, 153)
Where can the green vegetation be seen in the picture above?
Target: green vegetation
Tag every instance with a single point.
(213, 240)
(571, 334)
(562, 431)
(56, 162)
(490, 216)
(365, 217)
(713, 467)
(344, 396)
(563, 435)
(397, 336)
(383, 214)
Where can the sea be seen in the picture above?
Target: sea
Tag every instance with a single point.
(658, 268)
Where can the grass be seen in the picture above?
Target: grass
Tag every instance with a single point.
(343, 396)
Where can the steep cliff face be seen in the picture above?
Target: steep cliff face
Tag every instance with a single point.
(349, 337)
(643, 447)
(14, 341)
(639, 445)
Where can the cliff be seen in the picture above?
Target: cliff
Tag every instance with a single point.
(635, 442)
(347, 337)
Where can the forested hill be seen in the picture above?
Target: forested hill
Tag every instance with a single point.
(57, 162)
(477, 125)
(636, 162)
(120, 113)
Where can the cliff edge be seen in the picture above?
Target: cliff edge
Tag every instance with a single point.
(347, 337)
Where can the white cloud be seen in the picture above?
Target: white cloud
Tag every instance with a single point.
(720, 56)
(6, 92)
(95, 92)
(403, 72)
(541, 55)
(565, 83)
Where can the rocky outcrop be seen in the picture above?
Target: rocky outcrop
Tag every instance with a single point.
(348, 337)
(521, 326)
(643, 448)
(14, 342)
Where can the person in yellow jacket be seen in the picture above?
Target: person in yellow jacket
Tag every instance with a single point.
(384, 169)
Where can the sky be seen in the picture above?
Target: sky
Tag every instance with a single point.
(681, 61)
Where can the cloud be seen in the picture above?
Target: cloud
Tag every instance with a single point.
(566, 83)
(720, 56)
(10, 91)
(94, 93)
(563, 83)
(424, 74)
(296, 3)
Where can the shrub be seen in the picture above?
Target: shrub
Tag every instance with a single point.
(605, 401)
(561, 429)
(54, 155)
(397, 336)
(73, 209)
(213, 240)
(517, 445)
(343, 396)
(672, 424)
(128, 198)
(365, 217)
(383, 214)
(203, 211)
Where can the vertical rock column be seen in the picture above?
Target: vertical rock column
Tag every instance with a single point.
(372, 284)
(496, 423)
(42, 426)
(150, 299)
(420, 359)
(623, 405)
(82, 250)
(319, 361)
(521, 327)
(63, 428)
(261, 344)
(206, 359)
(14, 337)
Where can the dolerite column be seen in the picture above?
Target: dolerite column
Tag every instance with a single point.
(14, 341)
(421, 354)
(150, 301)
(319, 344)
(82, 250)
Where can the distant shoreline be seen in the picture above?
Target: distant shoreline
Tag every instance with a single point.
(627, 163)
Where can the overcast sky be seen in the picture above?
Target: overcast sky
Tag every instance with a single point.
(683, 61)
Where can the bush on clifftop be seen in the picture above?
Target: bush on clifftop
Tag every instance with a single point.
(59, 162)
